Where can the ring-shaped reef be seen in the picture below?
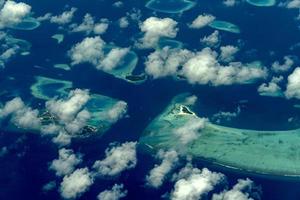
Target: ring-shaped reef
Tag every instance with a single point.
(262, 152)
(124, 69)
(262, 3)
(225, 26)
(26, 24)
(46, 88)
(170, 6)
(98, 105)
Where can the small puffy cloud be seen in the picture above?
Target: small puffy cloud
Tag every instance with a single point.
(272, 88)
(64, 18)
(117, 192)
(21, 115)
(240, 191)
(212, 39)
(118, 159)
(154, 28)
(293, 85)
(62, 139)
(75, 184)
(166, 62)
(190, 131)
(290, 4)
(193, 184)
(230, 3)
(66, 162)
(123, 22)
(222, 115)
(227, 53)
(279, 68)
(13, 13)
(202, 21)
(158, 174)
(89, 25)
(116, 112)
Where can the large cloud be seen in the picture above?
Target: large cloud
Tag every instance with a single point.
(118, 159)
(66, 162)
(193, 184)
(117, 192)
(13, 13)
(157, 175)
(155, 28)
(75, 184)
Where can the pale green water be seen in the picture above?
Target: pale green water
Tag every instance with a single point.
(266, 152)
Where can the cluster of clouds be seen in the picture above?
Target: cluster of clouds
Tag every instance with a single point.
(202, 67)
(69, 115)
(75, 182)
(223, 115)
(91, 50)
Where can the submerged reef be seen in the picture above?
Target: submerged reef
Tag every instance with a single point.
(263, 152)
(170, 6)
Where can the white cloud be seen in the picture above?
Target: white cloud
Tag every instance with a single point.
(240, 191)
(193, 184)
(64, 18)
(67, 109)
(212, 39)
(13, 13)
(290, 4)
(272, 88)
(118, 159)
(123, 22)
(293, 85)
(166, 62)
(158, 174)
(155, 28)
(116, 112)
(117, 192)
(279, 68)
(204, 68)
(189, 131)
(66, 162)
(202, 21)
(90, 50)
(227, 53)
(113, 58)
(89, 25)
(75, 184)
(21, 115)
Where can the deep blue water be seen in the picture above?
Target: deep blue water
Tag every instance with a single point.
(263, 30)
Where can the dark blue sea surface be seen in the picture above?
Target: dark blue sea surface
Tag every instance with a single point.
(24, 169)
